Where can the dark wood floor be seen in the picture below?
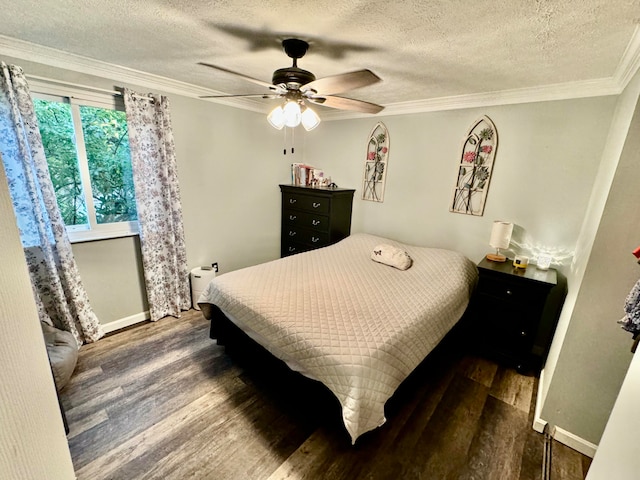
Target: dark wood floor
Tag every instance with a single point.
(162, 400)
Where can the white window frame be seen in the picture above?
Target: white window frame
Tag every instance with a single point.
(76, 98)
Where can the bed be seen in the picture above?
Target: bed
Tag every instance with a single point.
(358, 326)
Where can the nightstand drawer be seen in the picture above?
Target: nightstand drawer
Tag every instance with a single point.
(308, 220)
(503, 290)
(507, 331)
(307, 237)
(309, 203)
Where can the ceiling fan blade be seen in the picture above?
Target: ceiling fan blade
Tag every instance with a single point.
(342, 82)
(270, 86)
(246, 95)
(342, 103)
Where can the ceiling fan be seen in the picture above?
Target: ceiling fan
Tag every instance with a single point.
(297, 87)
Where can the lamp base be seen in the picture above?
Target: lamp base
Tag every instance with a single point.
(496, 257)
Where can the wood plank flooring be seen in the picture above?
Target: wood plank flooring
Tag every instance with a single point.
(162, 400)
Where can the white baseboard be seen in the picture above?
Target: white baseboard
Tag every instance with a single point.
(575, 442)
(538, 423)
(125, 322)
(567, 438)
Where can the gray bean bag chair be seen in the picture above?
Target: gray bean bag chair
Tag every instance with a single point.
(63, 353)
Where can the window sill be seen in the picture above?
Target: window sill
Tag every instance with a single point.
(92, 236)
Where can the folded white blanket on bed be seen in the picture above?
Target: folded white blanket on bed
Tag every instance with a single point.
(390, 255)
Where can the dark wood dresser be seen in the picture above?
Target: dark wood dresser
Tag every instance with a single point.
(515, 312)
(314, 217)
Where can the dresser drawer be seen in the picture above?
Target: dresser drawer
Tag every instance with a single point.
(308, 220)
(291, 248)
(307, 237)
(310, 203)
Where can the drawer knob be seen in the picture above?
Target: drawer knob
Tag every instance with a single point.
(292, 249)
(523, 334)
(292, 217)
(509, 292)
(315, 222)
(292, 200)
(292, 234)
(315, 239)
(316, 204)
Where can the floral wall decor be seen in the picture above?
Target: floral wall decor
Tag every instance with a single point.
(375, 165)
(474, 168)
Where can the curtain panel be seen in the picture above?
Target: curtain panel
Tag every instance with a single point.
(155, 177)
(60, 296)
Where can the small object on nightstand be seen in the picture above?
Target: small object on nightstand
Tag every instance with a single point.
(520, 261)
(500, 238)
(543, 262)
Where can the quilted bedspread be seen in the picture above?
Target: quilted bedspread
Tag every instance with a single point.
(357, 326)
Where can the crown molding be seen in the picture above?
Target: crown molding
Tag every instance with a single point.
(68, 61)
(630, 61)
(627, 68)
(561, 91)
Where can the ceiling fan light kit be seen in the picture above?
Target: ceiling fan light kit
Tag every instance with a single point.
(299, 87)
(310, 119)
(292, 115)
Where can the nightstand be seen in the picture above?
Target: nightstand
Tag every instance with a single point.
(514, 313)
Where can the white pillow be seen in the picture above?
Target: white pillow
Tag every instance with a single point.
(393, 256)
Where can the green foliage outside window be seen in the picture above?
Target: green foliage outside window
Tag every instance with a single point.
(106, 143)
(58, 139)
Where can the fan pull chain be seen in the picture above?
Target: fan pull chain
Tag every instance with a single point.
(293, 149)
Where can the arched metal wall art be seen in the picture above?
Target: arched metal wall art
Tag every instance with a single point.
(475, 167)
(375, 165)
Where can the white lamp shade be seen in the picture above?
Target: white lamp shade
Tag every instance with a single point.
(276, 118)
(292, 114)
(501, 234)
(310, 119)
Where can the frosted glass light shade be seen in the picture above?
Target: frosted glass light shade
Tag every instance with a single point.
(292, 115)
(276, 118)
(310, 119)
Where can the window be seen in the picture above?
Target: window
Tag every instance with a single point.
(86, 143)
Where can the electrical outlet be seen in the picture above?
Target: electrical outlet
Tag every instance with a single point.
(215, 266)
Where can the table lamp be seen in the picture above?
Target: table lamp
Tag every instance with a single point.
(500, 238)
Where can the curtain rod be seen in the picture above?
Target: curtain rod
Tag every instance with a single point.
(115, 93)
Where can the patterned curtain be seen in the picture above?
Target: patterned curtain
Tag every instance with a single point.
(60, 296)
(155, 175)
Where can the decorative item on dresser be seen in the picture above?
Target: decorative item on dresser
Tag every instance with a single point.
(314, 217)
(515, 312)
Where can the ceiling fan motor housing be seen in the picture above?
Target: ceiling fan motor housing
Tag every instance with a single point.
(294, 48)
(289, 75)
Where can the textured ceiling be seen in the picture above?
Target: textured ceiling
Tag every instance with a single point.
(421, 49)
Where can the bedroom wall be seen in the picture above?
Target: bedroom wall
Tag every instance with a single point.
(593, 358)
(547, 159)
(229, 168)
(32, 443)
